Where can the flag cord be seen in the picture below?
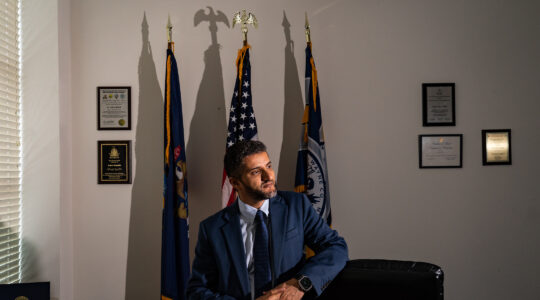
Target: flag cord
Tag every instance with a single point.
(313, 79)
(240, 60)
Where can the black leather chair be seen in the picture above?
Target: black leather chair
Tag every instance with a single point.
(376, 279)
(30, 291)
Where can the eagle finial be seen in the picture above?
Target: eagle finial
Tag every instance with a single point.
(244, 19)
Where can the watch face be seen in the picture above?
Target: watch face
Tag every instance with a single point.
(305, 283)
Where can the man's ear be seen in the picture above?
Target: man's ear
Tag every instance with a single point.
(234, 182)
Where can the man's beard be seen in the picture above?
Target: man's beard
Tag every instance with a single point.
(259, 194)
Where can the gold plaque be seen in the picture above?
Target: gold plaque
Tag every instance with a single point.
(496, 145)
(114, 162)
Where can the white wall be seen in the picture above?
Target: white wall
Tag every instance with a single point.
(480, 224)
(66, 156)
(46, 112)
(41, 144)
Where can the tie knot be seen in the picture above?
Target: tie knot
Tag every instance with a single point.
(260, 215)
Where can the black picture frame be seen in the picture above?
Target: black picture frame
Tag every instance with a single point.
(114, 162)
(442, 151)
(495, 153)
(115, 115)
(438, 109)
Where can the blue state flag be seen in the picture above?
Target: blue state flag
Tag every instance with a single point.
(175, 235)
(311, 169)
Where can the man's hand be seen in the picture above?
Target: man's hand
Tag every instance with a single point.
(273, 294)
(289, 290)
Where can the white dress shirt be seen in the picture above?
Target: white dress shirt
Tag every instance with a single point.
(247, 218)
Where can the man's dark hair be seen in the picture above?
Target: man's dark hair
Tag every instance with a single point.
(234, 157)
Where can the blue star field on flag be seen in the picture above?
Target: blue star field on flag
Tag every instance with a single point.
(242, 124)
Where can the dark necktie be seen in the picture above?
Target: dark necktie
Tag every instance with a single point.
(261, 255)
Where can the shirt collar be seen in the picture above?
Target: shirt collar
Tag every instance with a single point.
(248, 212)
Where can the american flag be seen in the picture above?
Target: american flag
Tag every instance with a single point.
(242, 124)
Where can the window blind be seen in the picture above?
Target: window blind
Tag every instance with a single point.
(10, 137)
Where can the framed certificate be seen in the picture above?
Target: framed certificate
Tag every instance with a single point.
(440, 151)
(438, 104)
(114, 162)
(496, 147)
(114, 108)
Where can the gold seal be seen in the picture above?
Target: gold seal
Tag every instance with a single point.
(121, 122)
(114, 154)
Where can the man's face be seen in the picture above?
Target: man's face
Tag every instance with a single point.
(257, 180)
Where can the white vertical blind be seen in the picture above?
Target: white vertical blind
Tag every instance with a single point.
(10, 137)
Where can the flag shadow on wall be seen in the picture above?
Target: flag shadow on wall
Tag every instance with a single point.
(292, 114)
(207, 131)
(144, 245)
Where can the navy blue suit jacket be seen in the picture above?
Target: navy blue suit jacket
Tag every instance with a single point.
(219, 268)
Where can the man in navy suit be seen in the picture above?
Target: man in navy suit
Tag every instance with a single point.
(225, 264)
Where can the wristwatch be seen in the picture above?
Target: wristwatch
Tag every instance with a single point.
(304, 282)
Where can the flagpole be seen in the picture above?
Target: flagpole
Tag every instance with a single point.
(170, 43)
(308, 31)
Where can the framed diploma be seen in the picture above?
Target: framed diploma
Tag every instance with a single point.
(114, 162)
(440, 151)
(496, 147)
(438, 104)
(114, 108)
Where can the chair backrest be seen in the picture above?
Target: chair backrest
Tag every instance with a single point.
(379, 279)
(26, 291)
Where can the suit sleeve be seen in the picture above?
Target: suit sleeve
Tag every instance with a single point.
(330, 249)
(204, 273)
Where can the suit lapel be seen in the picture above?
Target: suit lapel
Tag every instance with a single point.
(278, 216)
(233, 238)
